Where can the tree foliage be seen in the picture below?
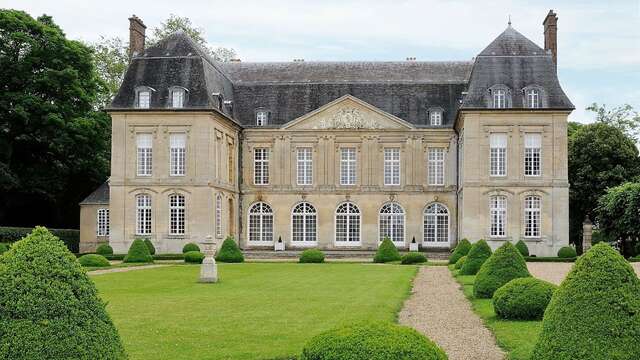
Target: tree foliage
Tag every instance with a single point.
(623, 118)
(617, 215)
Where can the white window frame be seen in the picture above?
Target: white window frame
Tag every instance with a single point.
(177, 154)
(262, 117)
(143, 100)
(303, 216)
(392, 166)
(261, 166)
(532, 155)
(533, 98)
(499, 99)
(532, 217)
(498, 216)
(143, 214)
(352, 218)
(435, 166)
(435, 118)
(178, 96)
(392, 223)
(177, 214)
(433, 216)
(144, 154)
(218, 212)
(102, 222)
(260, 219)
(304, 166)
(348, 165)
(498, 154)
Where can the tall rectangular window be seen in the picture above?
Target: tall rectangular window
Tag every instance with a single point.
(261, 166)
(304, 166)
(177, 98)
(498, 213)
(230, 162)
(532, 154)
(435, 118)
(177, 153)
(392, 166)
(532, 216)
(435, 166)
(176, 214)
(533, 98)
(219, 215)
(498, 155)
(144, 99)
(144, 143)
(499, 99)
(261, 118)
(102, 228)
(347, 166)
(143, 214)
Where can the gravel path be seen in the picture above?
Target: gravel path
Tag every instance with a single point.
(438, 309)
(123, 269)
(556, 272)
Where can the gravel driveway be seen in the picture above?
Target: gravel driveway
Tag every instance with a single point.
(556, 272)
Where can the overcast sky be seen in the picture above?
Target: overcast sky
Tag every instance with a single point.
(598, 41)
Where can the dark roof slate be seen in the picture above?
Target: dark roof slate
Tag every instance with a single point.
(511, 43)
(98, 196)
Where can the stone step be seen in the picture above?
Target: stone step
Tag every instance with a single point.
(258, 254)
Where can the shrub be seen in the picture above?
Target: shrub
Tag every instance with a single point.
(229, 252)
(3, 248)
(523, 299)
(595, 313)
(312, 256)
(567, 252)
(461, 250)
(94, 260)
(372, 341)
(522, 248)
(152, 249)
(413, 258)
(50, 308)
(460, 262)
(193, 257)
(138, 253)
(190, 247)
(70, 237)
(501, 267)
(478, 254)
(104, 249)
(387, 251)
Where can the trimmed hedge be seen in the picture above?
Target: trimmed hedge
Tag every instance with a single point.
(93, 260)
(190, 247)
(229, 252)
(460, 262)
(461, 250)
(50, 308)
(523, 299)
(104, 249)
(522, 248)
(548, 259)
(413, 257)
(193, 257)
(152, 249)
(567, 252)
(387, 252)
(311, 256)
(138, 253)
(4, 248)
(478, 254)
(595, 313)
(372, 341)
(501, 267)
(70, 237)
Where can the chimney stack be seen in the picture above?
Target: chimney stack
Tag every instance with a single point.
(136, 36)
(551, 35)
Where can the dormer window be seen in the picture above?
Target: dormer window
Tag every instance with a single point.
(143, 97)
(435, 117)
(262, 116)
(533, 98)
(177, 97)
(499, 99)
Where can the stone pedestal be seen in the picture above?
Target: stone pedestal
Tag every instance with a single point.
(587, 233)
(413, 246)
(209, 268)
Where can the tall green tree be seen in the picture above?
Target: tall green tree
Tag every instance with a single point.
(617, 215)
(622, 117)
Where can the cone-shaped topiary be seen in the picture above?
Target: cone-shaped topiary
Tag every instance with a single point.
(567, 252)
(311, 256)
(387, 251)
(93, 260)
(522, 248)
(50, 308)
(478, 254)
(152, 249)
(413, 257)
(190, 247)
(193, 257)
(460, 262)
(372, 341)
(595, 313)
(501, 267)
(138, 253)
(523, 299)
(104, 249)
(229, 252)
(461, 250)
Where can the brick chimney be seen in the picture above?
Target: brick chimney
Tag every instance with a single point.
(551, 34)
(136, 36)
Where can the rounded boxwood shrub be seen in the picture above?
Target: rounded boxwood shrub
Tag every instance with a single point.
(460, 262)
(229, 252)
(93, 260)
(190, 247)
(104, 249)
(138, 253)
(387, 251)
(461, 250)
(413, 258)
(501, 267)
(523, 299)
(522, 248)
(312, 256)
(567, 252)
(478, 254)
(152, 249)
(595, 313)
(50, 308)
(3, 248)
(372, 341)
(193, 257)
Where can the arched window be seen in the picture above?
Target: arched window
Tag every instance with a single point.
(532, 216)
(143, 214)
(143, 97)
(176, 214)
(261, 223)
(533, 98)
(177, 96)
(498, 211)
(499, 97)
(436, 224)
(347, 224)
(218, 215)
(102, 226)
(303, 222)
(392, 223)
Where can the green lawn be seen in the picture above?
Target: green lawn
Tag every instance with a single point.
(517, 338)
(256, 311)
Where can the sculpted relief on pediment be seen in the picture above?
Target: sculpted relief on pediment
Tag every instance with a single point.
(347, 118)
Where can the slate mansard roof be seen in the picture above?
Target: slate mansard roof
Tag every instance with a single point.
(99, 196)
(408, 90)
